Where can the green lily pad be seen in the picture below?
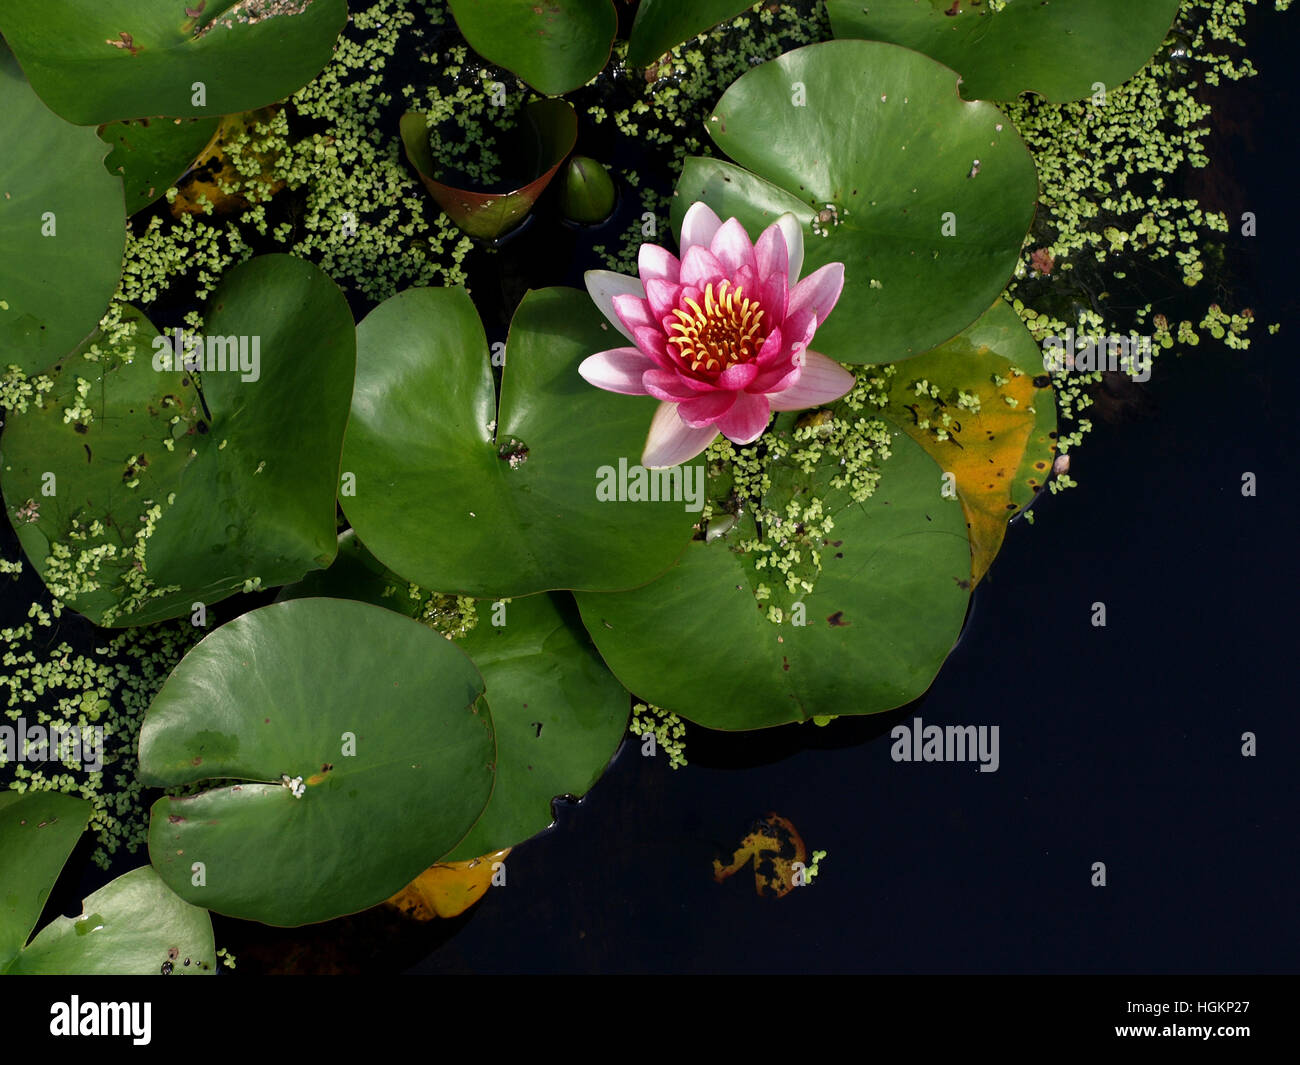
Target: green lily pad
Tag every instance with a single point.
(546, 135)
(885, 180)
(883, 614)
(459, 495)
(38, 830)
(661, 25)
(554, 45)
(1059, 50)
(118, 59)
(133, 926)
(982, 407)
(61, 227)
(558, 713)
(353, 749)
(127, 927)
(153, 504)
(152, 154)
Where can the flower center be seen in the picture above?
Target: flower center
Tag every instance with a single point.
(726, 330)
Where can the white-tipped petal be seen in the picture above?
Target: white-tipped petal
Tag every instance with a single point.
(671, 441)
(604, 285)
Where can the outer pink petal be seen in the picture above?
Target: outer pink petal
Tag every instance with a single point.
(671, 441)
(823, 381)
(818, 293)
(604, 285)
(773, 271)
(617, 370)
(770, 252)
(745, 422)
(698, 226)
(700, 266)
(792, 230)
(654, 262)
(706, 409)
(733, 248)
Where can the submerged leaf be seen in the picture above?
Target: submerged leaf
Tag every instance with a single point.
(448, 889)
(774, 846)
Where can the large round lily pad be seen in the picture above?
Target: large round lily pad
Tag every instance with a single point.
(554, 45)
(460, 496)
(352, 746)
(163, 504)
(558, 714)
(983, 409)
(1059, 50)
(883, 614)
(95, 63)
(62, 228)
(926, 199)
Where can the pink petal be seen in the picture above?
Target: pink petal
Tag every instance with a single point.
(654, 344)
(698, 227)
(823, 381)
(747, 280)
(700, 266)
(671, 441)
(706, 409)
(617, 370)
(662, 296)
(733, 248)
(654, 262)
(745, 422)
(604, 285)
(772, 351)
(773, 271)
(634, 312)
(670, 386)
(818, 293)
(736, 377)
(792, 230)
(779, 378)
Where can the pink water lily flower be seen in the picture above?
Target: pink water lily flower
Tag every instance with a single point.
(720, 335)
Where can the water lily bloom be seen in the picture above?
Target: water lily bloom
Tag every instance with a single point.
(720, 336)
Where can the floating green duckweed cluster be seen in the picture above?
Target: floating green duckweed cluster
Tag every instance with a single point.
(454, 616)
(667, 728)
(1106, 167)
(50, 684)
(468, 110)
(814, 867)
(782, 491)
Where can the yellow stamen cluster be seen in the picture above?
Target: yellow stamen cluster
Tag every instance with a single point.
(727, 330)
